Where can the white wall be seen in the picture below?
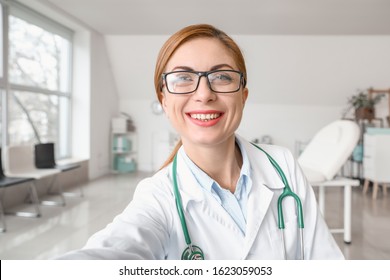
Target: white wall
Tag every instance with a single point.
(81, 95)
(314, 70)
(104, 106)
(95, 101)
(297, 84)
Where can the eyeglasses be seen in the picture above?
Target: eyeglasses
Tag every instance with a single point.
(222, 81)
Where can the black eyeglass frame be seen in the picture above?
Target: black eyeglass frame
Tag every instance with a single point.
(203, 74)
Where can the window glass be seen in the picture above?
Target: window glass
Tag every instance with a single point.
(36, 57)
(1, 77)
(35, 118)
(39, 75)
(1, 43)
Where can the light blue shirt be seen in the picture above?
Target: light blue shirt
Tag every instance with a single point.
(235, 204)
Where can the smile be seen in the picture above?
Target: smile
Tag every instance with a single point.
(205, 117)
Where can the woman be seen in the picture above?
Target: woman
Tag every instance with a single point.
(227, 188)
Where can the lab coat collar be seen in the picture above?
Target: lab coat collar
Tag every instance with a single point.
(263, 174)
(192, 193)
(265, 179)
(188, 185)
(261, 166)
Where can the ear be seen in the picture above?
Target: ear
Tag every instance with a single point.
(245, 93)
(164, 102)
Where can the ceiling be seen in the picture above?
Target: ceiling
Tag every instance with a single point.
(240, 17)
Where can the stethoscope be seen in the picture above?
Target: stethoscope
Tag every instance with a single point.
(193, 252)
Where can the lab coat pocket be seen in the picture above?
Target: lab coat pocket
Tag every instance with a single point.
(269, 242)
(290, 236)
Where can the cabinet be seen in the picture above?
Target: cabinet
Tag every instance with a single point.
(375, 120)
(357, 157)
(376, 163)
(123, 147)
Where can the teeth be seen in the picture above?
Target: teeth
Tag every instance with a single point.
(205, 117)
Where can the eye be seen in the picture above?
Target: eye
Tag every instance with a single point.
(181, 78)
(184, 77)
(221, 77)
(224, 77)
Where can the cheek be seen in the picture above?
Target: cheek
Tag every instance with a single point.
(167, 104)
(237, 111)
(238, 106)
(173, 106)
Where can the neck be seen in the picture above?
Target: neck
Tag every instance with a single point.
(221, 162)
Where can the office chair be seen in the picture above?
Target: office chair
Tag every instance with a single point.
(324, 157)
(20, 162)
(45, 159)
(6, 182)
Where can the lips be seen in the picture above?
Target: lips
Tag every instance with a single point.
(205, 118)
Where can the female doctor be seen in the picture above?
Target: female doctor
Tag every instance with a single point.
(216, 197)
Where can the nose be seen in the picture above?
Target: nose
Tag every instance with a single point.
(203, 92)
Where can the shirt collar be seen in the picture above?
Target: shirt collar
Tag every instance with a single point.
(244, 183)
(201, 177)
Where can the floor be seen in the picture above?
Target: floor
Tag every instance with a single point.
(61, 229)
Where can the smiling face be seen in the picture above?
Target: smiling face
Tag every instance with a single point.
(204, 117)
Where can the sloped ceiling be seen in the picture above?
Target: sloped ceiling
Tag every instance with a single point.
(240, 17)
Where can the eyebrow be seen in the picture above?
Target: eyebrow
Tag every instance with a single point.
(215, 67)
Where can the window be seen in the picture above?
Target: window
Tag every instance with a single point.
(2, 81)
(1, 47)
(39, 71)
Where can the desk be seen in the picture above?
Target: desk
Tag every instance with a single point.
(347, 184)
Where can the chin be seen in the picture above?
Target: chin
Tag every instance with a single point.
(209, 139)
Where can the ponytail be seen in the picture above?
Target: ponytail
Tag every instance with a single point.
(172, 155)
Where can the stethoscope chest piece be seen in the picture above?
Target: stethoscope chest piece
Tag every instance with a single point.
(192, 253)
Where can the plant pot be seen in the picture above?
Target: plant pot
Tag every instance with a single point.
(365, 113)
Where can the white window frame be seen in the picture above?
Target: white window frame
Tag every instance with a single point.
(16, 9)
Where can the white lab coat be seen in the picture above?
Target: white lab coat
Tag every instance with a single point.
(150, 228)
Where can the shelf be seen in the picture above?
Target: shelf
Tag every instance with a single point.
(123, 148)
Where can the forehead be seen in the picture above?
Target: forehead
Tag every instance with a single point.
(201, 54)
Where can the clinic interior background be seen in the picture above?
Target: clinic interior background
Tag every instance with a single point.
(297, 84)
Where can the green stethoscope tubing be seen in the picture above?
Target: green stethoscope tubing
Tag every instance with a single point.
(179, 204)
(287, 192)
(194, 250)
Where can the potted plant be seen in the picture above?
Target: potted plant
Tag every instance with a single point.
(364, 105)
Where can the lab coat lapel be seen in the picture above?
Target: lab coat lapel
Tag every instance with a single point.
(258, 204)
(190, 191)
(188, 186)
(265, 180)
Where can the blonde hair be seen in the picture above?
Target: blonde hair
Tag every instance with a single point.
(179, 38)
